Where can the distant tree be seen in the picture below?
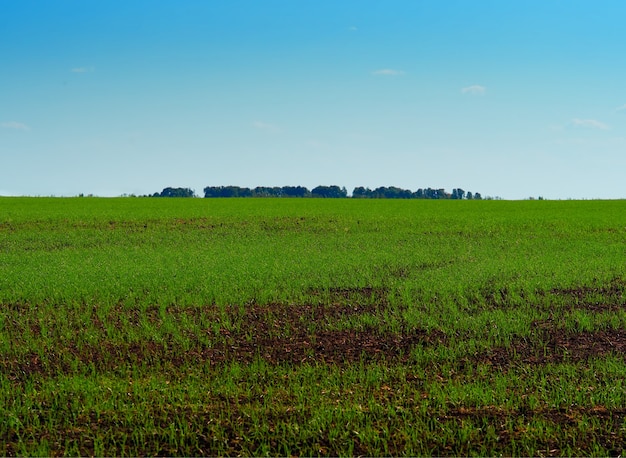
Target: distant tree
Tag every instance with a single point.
(176, 192)
(227, 191)
(320, 191)
(399, 193)
(262, 191)
(241, 191)
(361, 193)
(378, 193)
(212, 191)
(391, 192)
(381, 192)
(429, 193)
(295, 191)
(329, 192)
(277, 191)
(458, 193)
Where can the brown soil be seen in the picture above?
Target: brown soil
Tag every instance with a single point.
(276, 333)
(308, 333)
(335, 347)
(608, 431)
(557, 346)
(595, 298)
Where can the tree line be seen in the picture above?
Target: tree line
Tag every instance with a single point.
(393, 192)
(382, 192)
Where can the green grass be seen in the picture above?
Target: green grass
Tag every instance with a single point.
(311, 326)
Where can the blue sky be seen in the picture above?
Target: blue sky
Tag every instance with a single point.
(506, 98)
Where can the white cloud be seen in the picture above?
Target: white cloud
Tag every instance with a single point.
(589, 124)
(83, 69)
(388, 72)
(14, 125)
(266, 127)
(475, 89)
(353, 28)
(622, 108)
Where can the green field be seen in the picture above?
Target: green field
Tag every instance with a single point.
(312, 327)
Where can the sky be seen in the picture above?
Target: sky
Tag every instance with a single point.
(511, 99)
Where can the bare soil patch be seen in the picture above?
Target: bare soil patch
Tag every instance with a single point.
(276, 333)
(305, 333)
(557, 346)
(336, 347)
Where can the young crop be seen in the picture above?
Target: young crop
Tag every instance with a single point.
(311, 327)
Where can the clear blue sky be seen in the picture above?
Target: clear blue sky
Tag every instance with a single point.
(507, 98)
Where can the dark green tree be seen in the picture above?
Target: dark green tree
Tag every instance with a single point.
(295, 191)
(458, 193)
(329, 192)
(361, 193)
(176, 192)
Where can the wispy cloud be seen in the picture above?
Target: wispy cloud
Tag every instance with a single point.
(589, 124)
(353, 28)
(475, 89)
(14, 125)
(622, 108)
(83, 69)
(388, 72)
(266, 127)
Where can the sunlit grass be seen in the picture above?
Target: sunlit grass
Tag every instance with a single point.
(311, 326)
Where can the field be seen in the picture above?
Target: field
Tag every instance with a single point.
(312, 327)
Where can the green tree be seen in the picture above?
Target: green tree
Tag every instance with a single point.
(177, 192)
(361, 192)
(295, 191)
(329, 192)
(458, 193)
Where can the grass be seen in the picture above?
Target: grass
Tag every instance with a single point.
(311, 327)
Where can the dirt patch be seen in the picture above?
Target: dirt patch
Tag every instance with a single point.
(280, 333)
(321, 331)
(336, 347)
(324, 346)
(594, 298)
(557, 346)
(276, 333)
(510, 426)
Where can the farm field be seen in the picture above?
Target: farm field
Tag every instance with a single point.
(138, 326)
